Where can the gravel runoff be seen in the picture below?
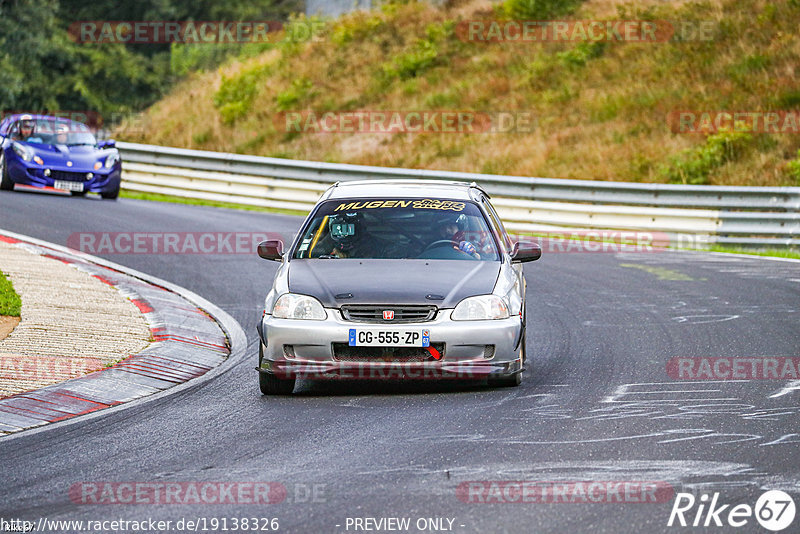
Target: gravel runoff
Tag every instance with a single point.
(71, 323)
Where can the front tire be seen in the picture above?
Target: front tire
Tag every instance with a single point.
(506, 381)
(271, 385)
(111, 195)
(5, 180)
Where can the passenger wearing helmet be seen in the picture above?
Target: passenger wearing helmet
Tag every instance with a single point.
(351, 238)
(62, 134)
(452, 227)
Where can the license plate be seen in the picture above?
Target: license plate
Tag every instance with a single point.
(389, 338)
(68, 186)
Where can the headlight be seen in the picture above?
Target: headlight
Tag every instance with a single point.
(291, 306)
(481, 308)
(112, 160)
(23, 151)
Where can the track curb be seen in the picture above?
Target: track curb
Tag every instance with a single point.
(194, 341)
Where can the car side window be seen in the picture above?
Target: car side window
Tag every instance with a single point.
(497, 224)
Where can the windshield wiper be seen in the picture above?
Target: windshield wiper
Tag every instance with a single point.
(80, 144)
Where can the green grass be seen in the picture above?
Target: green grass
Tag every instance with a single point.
(112, 363)
(10, 304)
(694, 166)
(158, 197)
(773, 252)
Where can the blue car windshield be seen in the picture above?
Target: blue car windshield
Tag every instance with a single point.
(61, 132)
(390, 228)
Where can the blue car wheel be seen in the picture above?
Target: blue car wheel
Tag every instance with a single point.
(5, 180)
(111, 194)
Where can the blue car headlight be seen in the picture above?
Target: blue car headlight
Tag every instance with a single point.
(24, 152)
(111, 160)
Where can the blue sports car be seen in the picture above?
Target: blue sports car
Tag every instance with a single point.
(47, 152)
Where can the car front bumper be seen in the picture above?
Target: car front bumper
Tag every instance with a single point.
(33, 175)
(293, 348)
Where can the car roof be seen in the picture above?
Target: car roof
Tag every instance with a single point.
(403, 189)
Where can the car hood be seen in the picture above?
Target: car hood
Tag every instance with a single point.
(82, 157)
(392, 281)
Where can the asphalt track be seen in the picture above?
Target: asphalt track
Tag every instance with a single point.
(598, 404)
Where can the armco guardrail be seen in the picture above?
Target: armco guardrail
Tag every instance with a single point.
(743, 216)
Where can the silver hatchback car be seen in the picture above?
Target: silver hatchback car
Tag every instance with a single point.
(396, 279)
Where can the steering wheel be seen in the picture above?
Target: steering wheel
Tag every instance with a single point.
(438, 244)
(442, 243)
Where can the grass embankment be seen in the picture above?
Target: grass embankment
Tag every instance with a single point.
(10, 303)
(600, 108)
(10, 307)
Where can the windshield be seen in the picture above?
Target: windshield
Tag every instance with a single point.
(60, 132)
(398, 228)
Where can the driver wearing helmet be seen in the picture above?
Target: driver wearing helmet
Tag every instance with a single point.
(452, 227)
(27, 126)
(351, 238)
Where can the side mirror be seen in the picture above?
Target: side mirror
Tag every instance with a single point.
(525, 251)
(271, 250)
(109, 143)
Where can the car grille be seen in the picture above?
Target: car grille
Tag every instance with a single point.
(402, 314)
(68, 176)
(343, 352)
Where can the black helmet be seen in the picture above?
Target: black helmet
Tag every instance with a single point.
(344, 228)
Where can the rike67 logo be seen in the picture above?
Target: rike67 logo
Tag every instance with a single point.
(774, 510)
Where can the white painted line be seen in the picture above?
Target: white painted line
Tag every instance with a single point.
(788, 388)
